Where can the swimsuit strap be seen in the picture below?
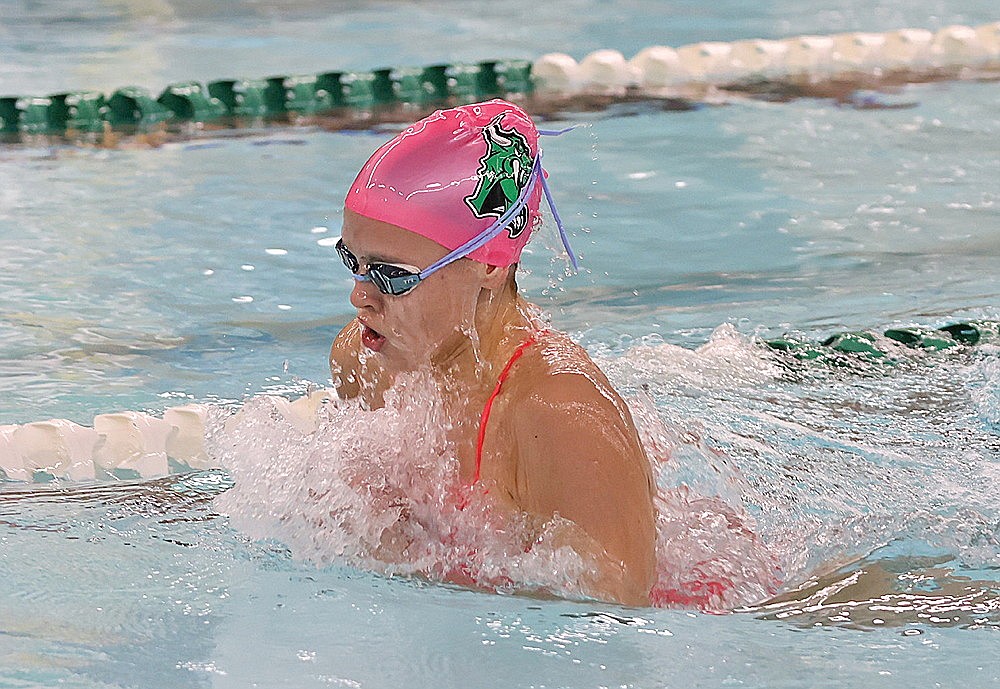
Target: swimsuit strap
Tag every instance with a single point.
(489, 403)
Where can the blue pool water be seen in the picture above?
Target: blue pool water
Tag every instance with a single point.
(139, 278)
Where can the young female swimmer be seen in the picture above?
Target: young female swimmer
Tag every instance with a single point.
(433, 228)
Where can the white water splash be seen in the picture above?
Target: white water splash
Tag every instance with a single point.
(380, 490)
(986, 396)
(727, 360)
(708, 554)
(766, 477)
(832, 463)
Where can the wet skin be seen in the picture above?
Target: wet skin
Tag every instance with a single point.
(559, 440)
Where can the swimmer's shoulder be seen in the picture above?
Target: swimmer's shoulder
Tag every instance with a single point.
(556, 369)
(561, 400)
(578, 455)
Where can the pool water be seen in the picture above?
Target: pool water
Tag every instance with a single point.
(140, 278)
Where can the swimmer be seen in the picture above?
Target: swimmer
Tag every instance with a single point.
(433, 229)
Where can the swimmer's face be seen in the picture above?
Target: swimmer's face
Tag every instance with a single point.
(427, 323)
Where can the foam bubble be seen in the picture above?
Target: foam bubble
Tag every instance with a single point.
(986, 395)
(709, 555)
(729, 359)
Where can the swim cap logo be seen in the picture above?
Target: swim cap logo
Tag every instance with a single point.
(504, 170)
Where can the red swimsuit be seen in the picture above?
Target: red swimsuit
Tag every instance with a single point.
(485, 417)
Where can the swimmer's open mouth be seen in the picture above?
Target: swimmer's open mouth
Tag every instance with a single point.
(372, 339)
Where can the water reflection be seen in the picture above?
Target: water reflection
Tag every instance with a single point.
(909, 593)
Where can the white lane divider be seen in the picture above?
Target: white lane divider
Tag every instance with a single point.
(127, 444)
(916, 52)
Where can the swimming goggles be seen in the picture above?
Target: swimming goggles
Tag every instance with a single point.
(397, 279)
(389, 278)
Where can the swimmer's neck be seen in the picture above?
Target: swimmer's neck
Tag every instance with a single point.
(502, 323)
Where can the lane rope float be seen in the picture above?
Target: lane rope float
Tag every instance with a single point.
(870, 346)
(705, 72)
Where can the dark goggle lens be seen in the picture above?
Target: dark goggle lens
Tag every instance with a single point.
(387, 278)
(390, 279)
(347, 257)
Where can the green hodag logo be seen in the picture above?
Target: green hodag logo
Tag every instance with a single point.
(504, 170)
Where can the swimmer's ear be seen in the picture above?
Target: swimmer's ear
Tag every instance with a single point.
(495, 277)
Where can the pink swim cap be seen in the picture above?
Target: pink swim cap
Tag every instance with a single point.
(452, 175)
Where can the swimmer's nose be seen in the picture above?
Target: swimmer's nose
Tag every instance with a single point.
(364, 294)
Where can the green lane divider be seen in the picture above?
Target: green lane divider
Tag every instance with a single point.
(419, 86)
(35, 115)
(866, 345)
(854, 343)
(804, 351)
(923, 338)
(135, 109)
(363, 90)
(513, 76)
(974, 332)
(10, 116)
(472, 81)
(83, 111)
(296, 94)
(134, 106)
(25, 115)
(192, 101)
(241, 97)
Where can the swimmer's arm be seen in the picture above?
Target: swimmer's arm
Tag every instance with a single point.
(579, 456)
(345, 368)
(355, 376)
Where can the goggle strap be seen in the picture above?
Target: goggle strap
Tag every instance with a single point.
(557, 132)
(562, 230)
(552, 204)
